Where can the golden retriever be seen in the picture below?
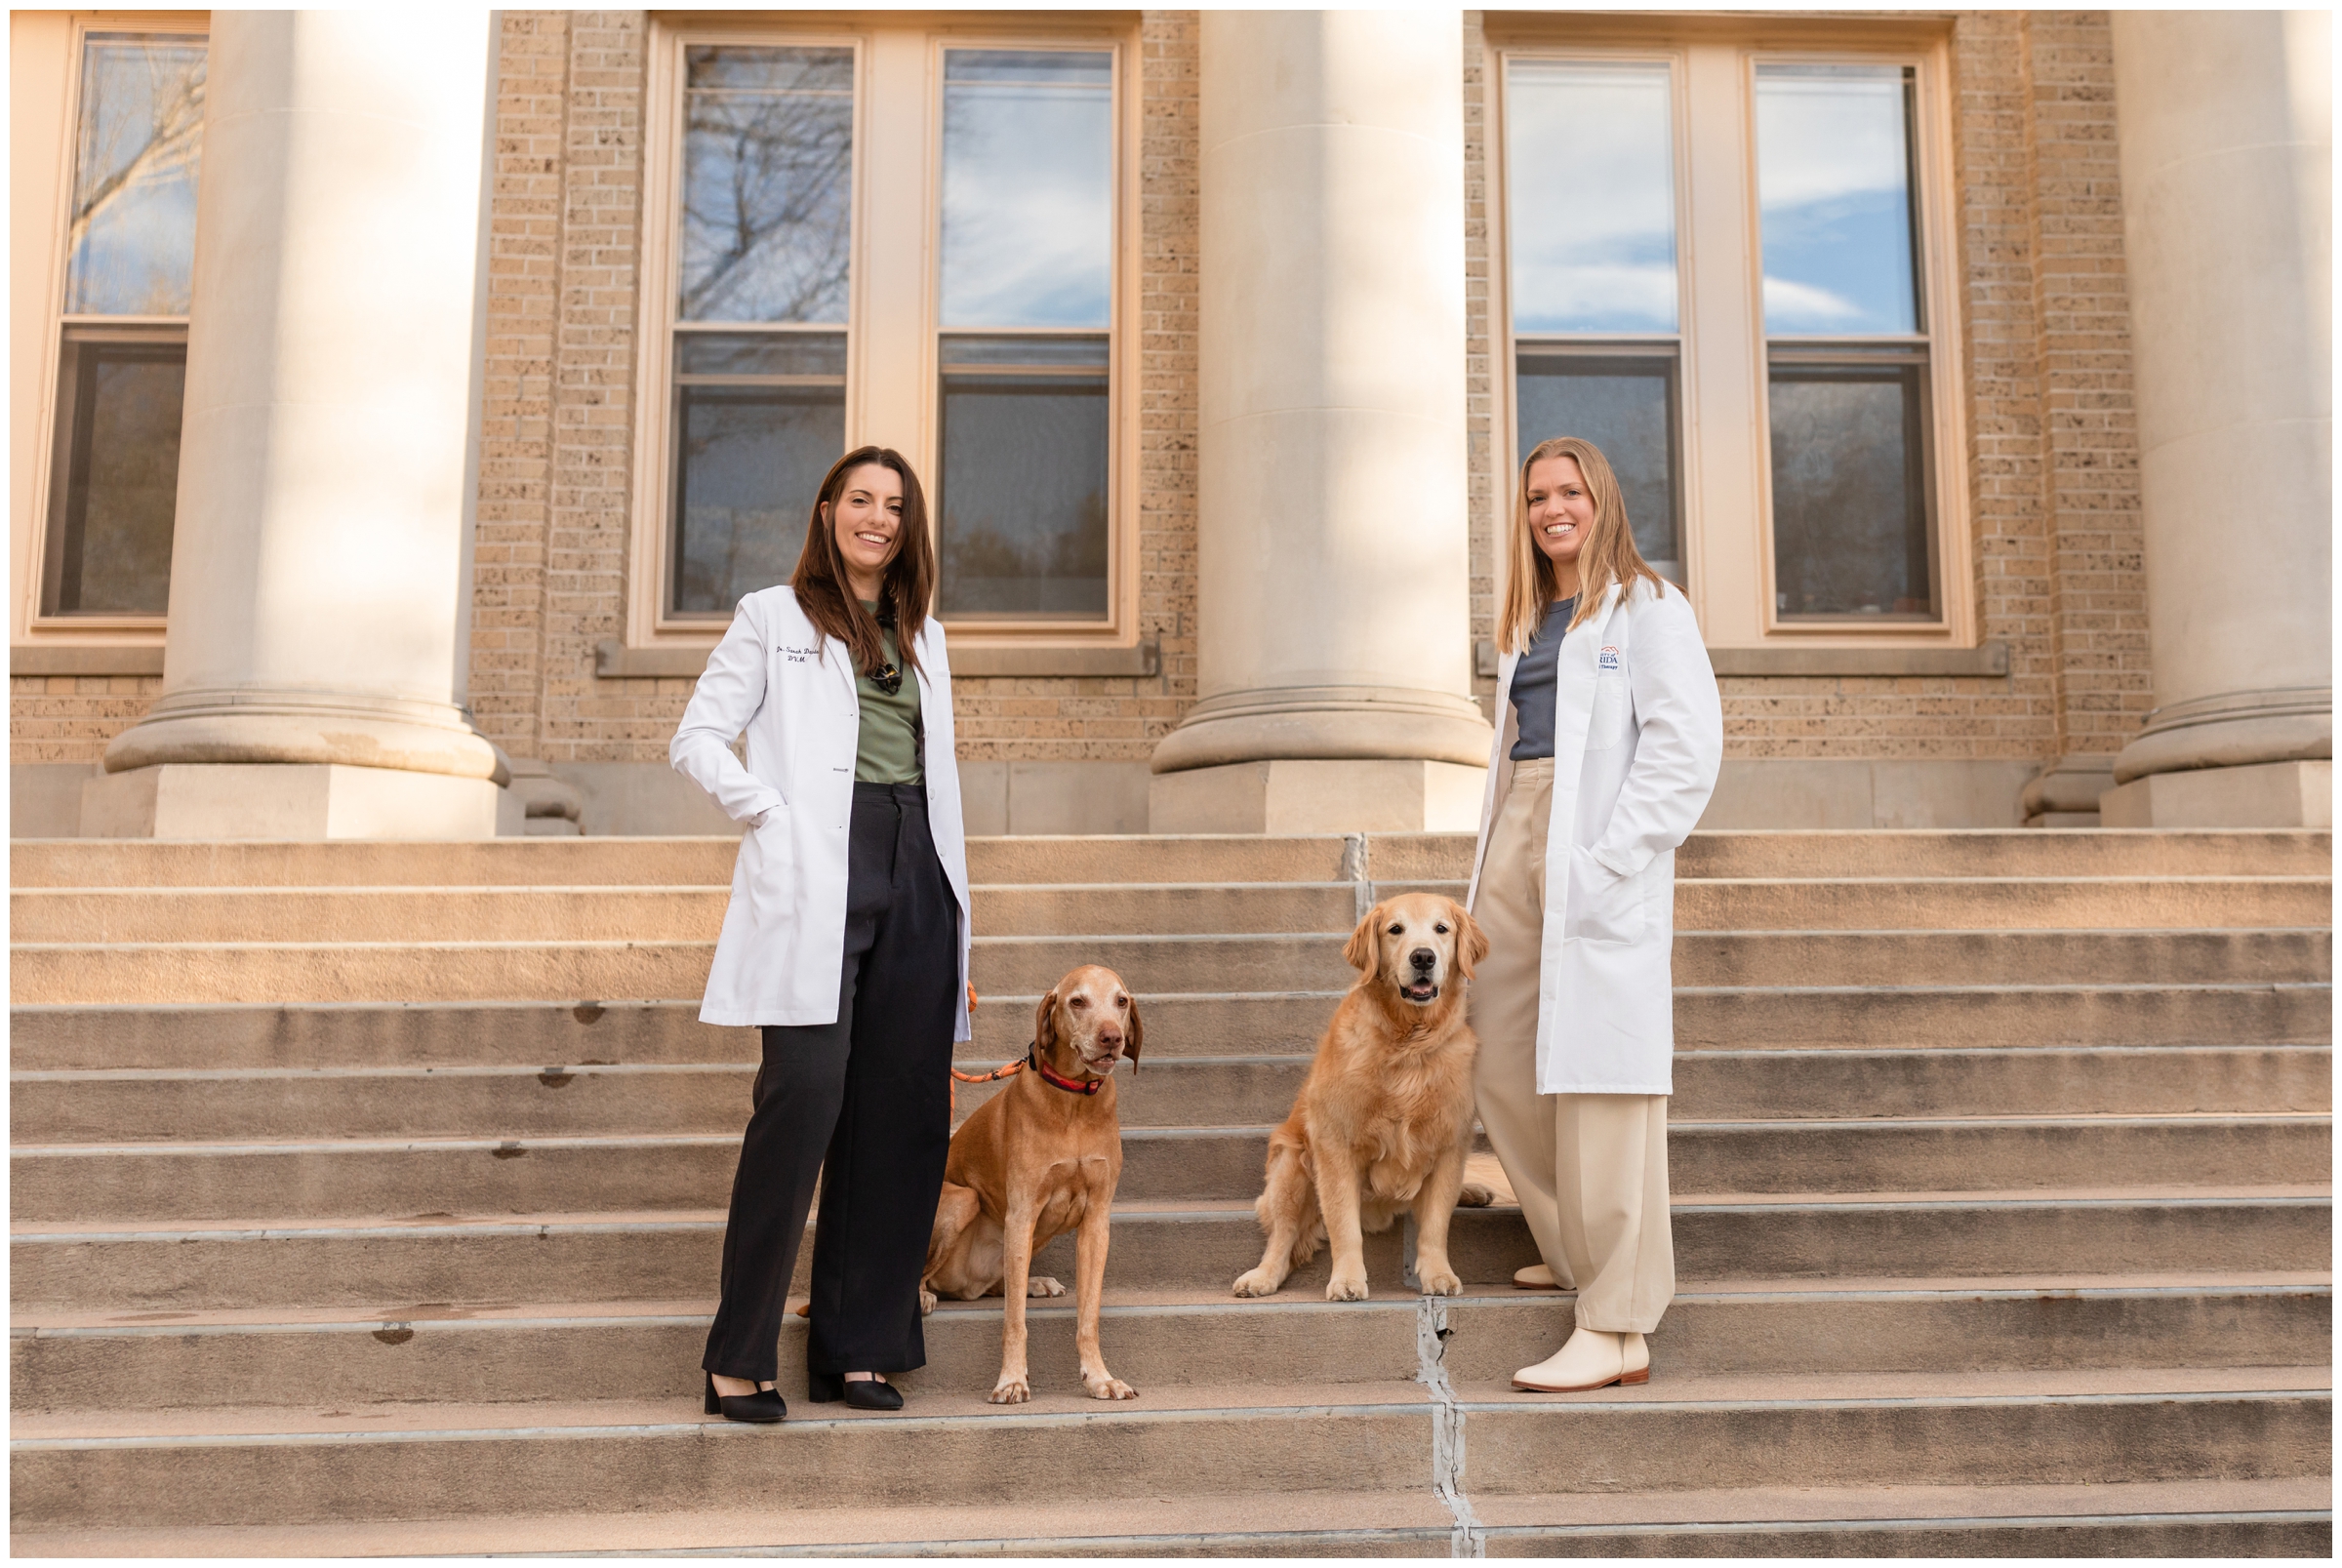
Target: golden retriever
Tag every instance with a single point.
(1382, 1123)
(1040, 1159)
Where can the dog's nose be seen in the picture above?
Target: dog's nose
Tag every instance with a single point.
(1423, 959)
(1110, 1034)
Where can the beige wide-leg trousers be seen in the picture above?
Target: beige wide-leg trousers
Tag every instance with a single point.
(1590, 1170)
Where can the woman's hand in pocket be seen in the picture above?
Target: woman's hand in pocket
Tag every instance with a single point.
(1602, 905)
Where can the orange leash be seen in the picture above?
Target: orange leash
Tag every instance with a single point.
(1006, 1070)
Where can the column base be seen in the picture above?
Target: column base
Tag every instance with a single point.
(2268, 794)
(1314, 796)
(285, 800)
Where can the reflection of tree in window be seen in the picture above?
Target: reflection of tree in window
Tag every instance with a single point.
(767, 164)
(130, 237)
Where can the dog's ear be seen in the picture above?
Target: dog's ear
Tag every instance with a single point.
(1472, 943)
(1044, 1027)
(1364, 951)
(1137, 1037)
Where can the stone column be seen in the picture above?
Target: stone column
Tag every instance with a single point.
(2225, 127)
(1333, 642)
(314, 675)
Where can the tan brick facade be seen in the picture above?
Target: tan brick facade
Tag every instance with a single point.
(2052, 459)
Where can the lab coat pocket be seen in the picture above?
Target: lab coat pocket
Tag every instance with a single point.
(768, 855)
(1603, 905)
(1612, 706)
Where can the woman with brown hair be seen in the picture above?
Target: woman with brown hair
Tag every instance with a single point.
(1609, 738)
(845, 942)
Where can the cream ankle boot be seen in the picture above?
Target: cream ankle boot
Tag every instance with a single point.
(1537, 1276)
(1591, 1359)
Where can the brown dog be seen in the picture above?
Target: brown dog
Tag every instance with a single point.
(1040, 1159)
(1383, 1122)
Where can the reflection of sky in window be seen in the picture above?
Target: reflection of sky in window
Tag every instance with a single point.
(1834, 185)
(768, 162)
(131, 246)
(1028, 188)
(1593, 206)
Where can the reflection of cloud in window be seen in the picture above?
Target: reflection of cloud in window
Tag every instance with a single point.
(1592, 197)
(1833, 198)
(1028, 224)
(1800, 304)
(1821, 140)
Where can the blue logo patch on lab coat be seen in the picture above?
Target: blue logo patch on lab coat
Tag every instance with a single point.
(1610, 658)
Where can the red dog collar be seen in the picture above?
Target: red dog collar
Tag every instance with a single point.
(1072, 1086)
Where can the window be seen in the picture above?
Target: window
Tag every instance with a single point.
(1720, 273)
(122, 343)
(1595, 298)
(761, 294)
(907, 235)
(1028, 293)
(1846, 358)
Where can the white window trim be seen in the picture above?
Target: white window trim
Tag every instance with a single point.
(893, 329)
(1726, 480)
(44, 103)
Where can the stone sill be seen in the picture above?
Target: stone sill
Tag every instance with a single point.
(85, 658)
(614, 660)
(1991, 660)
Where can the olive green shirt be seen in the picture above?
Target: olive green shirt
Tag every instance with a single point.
(888, 752)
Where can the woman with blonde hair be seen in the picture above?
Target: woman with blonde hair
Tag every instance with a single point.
(1609, 738)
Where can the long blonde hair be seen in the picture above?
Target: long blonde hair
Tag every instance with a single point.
(1607, 557)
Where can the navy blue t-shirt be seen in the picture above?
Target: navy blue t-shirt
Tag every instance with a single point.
(1535, 684)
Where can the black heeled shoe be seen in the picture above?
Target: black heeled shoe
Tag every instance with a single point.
(763, 1407)
(864, 1394)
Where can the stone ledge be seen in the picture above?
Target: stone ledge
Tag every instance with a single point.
(85, 658)
(1991, 660)
(614, 660)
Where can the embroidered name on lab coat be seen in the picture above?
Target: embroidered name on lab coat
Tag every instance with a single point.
(800, 656)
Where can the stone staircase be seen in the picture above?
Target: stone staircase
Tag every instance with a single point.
(367, 1197)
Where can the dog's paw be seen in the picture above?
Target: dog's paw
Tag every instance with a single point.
(926, 1301)
(1345, 1288)
(1109, 1387)
(1474, 1196)
(1257, 1282)
(1042, 1285)
(1010, 1391)
(1442, 1283)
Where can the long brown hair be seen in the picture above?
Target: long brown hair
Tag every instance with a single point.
(905, 587)
(1607, 557)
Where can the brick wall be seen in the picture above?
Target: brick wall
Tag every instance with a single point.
(2097, 607)
(2052, 454)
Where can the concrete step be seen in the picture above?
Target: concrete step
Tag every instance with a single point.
(1207, 859)
(132, 974)
(634, 913)
(145, 1105)
(535, 1034)
(650, 1351)
(2226, 1519)
(230, 1180)
(365, 1261)
(266, 1466)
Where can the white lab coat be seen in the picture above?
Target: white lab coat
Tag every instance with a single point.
(1638, 734)
(792, 691)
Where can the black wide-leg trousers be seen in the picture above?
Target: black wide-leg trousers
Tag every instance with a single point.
(866, 1104)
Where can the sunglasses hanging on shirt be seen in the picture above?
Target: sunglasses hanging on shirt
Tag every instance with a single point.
(886, 678)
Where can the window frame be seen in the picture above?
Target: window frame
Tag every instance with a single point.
(45, 159)
(1726, 427)
(894, 330)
